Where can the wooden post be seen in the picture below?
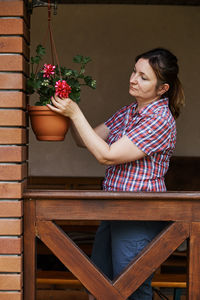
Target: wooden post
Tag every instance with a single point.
(14, 38)
(194, 262)
(29, 250)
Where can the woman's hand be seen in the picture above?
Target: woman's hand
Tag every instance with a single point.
(65, 107)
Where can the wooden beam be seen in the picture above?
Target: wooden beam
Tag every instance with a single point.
(29, 251)
(151, 258)
(94, 209)
(76, 261)
(40, 3)
(194, 262)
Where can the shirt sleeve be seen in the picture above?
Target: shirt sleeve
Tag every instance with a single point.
(151, 134)
(114, 122)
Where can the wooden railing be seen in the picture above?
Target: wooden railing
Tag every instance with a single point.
(43, 207)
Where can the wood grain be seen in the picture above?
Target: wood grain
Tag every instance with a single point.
(29, 251)
(92, 209)
(194, 262)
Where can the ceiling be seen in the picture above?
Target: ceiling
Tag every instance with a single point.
(37, 3)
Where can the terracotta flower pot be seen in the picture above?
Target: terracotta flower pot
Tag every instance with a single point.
(48, 125)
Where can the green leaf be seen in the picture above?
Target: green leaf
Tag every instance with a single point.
(75, 73)
(75, 96)
(86, 60)
(74, 83)
(37, 84)
(35, 60)
(78, 59)
(43, 101)
(87, 79)
(90, 82)
(40, 50)
(93, 84)
(29, 88)
(82, 71)
(39, 103)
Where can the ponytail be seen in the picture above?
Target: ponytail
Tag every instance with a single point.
(176, 97)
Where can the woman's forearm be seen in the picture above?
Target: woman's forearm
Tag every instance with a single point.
(76, 136)
(94, 141)
(95, 144)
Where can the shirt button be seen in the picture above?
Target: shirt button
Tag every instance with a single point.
(150, 131)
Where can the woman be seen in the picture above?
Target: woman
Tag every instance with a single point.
(136, 144)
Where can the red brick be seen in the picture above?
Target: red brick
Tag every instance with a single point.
(13, 153)
(10, 227)
(11, 295)
(10, 264)
(13, 171)
(9, 99)
(13, 136)
(11, 190)
(10, 117)
(12, 44)
(14, 26)
(11, 208)
(10, 282)
(12, 8)
(11, 246)
(13, 62)
(12, 81)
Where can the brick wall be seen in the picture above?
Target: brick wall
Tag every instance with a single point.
(14, 52)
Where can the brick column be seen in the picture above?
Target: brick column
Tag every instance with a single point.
(14, 52)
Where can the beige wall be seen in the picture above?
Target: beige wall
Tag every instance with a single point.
(113, 35)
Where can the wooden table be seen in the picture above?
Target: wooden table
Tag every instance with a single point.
(43, 207)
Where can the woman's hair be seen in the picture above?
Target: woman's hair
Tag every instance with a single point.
(165, 66)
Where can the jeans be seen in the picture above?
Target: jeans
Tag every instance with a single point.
(118, 242)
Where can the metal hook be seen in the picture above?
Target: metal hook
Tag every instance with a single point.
(42, 3)
(55, 7)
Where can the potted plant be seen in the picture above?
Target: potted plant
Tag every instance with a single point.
(52, 80)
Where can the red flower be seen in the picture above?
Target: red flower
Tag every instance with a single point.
(48, 70)
(62, 89)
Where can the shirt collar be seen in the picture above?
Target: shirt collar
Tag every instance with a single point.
(151, 107)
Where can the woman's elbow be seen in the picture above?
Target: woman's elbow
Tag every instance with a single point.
(80, 144)
(105, 161)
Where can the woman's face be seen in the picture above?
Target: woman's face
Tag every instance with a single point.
(143, 82)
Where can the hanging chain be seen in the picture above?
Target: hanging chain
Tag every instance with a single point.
(52, 43)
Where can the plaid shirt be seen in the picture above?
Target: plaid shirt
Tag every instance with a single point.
(152, 130)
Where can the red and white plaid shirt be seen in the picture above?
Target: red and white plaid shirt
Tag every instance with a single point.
(152, 130)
